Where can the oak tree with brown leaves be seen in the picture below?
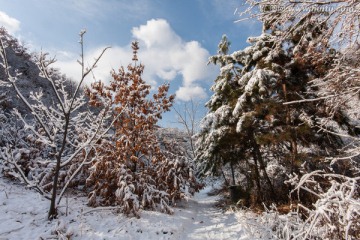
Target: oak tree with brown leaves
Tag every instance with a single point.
(133, 169)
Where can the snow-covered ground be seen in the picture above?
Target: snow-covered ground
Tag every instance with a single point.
(23, 216)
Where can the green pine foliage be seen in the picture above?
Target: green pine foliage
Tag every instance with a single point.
(249, 128)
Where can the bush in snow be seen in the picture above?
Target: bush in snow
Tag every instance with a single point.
(27, 153)
(132, 169)
(335, 213)
(23, 156)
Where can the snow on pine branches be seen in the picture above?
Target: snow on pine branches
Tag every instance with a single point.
(334, 210)
(133, 169)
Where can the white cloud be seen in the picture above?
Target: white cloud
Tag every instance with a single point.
(188, 93)
(112, 59)
(165, 56)
(12, 25)
(157, 33)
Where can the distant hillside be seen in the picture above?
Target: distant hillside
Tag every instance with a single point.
(28, 81)
(177, 135)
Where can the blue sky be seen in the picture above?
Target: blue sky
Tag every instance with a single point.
(176, 37)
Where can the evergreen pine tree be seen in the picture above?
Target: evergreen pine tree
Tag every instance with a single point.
(249, 127)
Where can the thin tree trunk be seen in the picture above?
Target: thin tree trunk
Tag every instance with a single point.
(257, 176)
(53, 210)
(232, 172)
(294, 151)
(262, 167)
(293, 142)
(250, 183)
(223, 174)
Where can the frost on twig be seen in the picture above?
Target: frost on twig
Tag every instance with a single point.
(336, 211)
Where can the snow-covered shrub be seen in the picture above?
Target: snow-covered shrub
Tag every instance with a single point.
(24, 157)
(336, 212)
(156, 186)
(269, 224)
(176, 172)
(20, 152)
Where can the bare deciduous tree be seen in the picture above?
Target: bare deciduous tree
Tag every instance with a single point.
(188, 119)
(65, 128)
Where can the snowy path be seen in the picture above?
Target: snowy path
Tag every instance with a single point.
(209, 222)
(23, 216)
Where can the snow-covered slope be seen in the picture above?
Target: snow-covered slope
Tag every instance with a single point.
(23, 216)
(28, 80)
